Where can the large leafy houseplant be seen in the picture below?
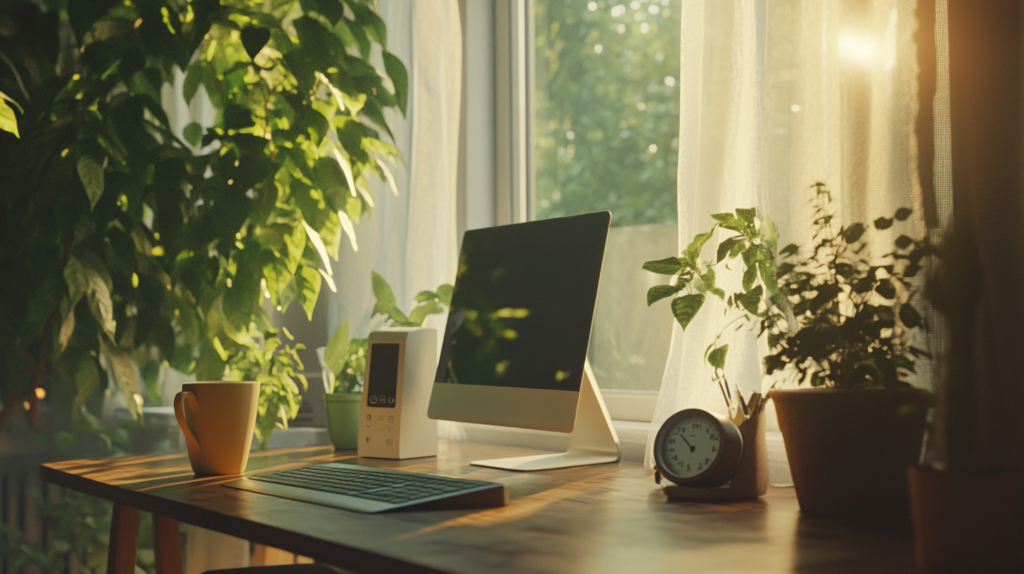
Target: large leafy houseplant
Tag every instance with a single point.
(835, 317)
(131, 248)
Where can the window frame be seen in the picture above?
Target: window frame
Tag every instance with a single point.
(496, 167)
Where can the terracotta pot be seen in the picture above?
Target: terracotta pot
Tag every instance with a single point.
(848, 449)
(343, 419)
(967, 521)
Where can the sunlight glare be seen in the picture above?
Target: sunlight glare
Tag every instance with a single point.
(857, 48)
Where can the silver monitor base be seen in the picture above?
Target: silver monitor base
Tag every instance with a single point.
(592, 440)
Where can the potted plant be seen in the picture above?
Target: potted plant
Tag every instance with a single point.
(966, 516)
(344, 360)
(839, 322)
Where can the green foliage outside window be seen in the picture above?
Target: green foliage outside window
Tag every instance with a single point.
(126, 247)
(607, 109)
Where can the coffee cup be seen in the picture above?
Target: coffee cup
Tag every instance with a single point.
(217, 419)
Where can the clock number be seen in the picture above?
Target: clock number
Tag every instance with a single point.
(671, 441)
(714, 437)
(707, 461)
(714, 449)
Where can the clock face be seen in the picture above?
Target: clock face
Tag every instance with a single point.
(691, 446)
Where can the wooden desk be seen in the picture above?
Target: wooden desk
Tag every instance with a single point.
(608, 518)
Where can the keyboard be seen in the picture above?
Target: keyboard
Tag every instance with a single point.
(369, 489)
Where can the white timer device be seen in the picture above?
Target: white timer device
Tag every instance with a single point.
(400, 368)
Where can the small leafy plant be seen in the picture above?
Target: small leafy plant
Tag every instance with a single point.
(839, 316)
(346, 358)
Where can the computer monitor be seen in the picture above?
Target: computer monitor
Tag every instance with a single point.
(515, 344)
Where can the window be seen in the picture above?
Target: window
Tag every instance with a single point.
(604, 137)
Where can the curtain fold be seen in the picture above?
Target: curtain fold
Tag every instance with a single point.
(776, 96)
(410, 239)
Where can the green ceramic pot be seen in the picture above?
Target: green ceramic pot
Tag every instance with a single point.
(343, 419)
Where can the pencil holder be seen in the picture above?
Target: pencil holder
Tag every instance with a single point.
(751, 478)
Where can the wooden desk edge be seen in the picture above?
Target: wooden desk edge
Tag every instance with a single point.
(340, 555)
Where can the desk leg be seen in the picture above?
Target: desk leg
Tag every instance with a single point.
(124, 537)
(167, 545)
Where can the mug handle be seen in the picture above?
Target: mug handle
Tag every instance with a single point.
(179, 413)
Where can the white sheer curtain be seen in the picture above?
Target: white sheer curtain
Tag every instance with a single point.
(776, 96)
(410, 239)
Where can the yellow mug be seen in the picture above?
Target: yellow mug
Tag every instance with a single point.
(217, 419)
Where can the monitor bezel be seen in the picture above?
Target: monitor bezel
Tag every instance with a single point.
(519, 407)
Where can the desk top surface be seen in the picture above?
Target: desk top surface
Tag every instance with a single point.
(607, 518)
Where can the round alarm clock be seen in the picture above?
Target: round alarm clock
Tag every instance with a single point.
(698, 448)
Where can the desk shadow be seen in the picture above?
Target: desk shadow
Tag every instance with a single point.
(852, 546)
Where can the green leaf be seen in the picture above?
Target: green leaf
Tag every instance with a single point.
(124, 375)
(685, 308)
(903, 241)
(659, 292)
(903, 213)
(717, 357)
(67, 328)
(336, 354)
(746, 215)
(725, 248)
(749, 275)
(883, 223)
(330, 9)
(8, 121)
(423, 296)
(751, 300)
(909, 316)
(693, 250)
(420, 313)
(308, 281)
(724, 218)
(97, 284)
(400, 77)
(253, 39)
(87, 380)
(767, 271)
(854, 233)
(886, 289)
(91, 174)
(385, 297)
(193, 134)
(863, 285)
(193, 79)
(444, 293)
(667, 266)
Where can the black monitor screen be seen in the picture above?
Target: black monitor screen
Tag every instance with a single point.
(523, 304)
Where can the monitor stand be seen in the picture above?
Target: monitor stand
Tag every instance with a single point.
(592, 440)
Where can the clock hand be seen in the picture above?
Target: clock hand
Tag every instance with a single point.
(692, 448)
